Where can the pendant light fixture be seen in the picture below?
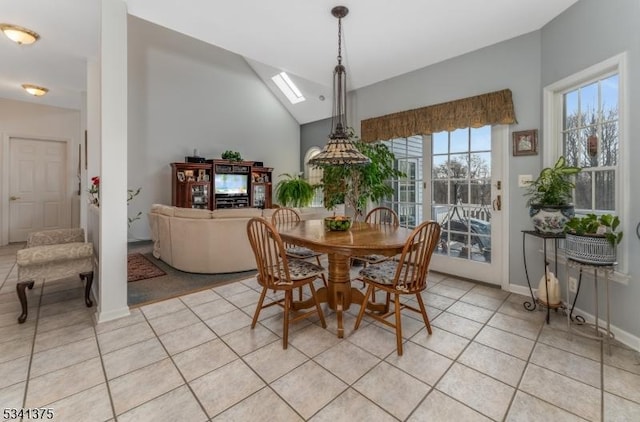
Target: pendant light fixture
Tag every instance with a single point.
(339, 150)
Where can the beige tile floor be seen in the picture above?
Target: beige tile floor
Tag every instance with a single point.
(195, 358)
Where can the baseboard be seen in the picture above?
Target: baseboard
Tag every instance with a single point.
(622, 336)
(100, 316)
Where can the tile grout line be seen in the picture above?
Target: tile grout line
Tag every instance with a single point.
(458, 357)
(241, 358)
(33, 347)
(106, 378)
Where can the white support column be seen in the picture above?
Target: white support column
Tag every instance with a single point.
(112, 300)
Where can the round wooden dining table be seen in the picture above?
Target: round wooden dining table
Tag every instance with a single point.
(361, 239)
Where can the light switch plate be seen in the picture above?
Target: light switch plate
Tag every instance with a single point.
(524, 180)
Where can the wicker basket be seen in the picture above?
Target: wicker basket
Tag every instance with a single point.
(590, 249)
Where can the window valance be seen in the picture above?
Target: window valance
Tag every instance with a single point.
(486, 109)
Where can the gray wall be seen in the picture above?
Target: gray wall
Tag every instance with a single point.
(588, 33)
(313, 134)
(513, 64)
(186, 94)
(585, 34)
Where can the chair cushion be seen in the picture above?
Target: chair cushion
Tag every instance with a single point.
(372, 259)
(299, 270)
(384, 273)
(301, 252)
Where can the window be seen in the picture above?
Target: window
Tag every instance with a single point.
(585, 121)
(407, 200)
(314, 176)
(590, 137)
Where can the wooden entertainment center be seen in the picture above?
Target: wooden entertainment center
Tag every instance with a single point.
(221, 184)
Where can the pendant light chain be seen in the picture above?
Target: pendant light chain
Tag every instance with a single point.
(339, 41)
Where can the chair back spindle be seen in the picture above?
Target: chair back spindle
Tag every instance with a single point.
(413, 265)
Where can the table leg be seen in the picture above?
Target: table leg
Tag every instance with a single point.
(339, 294)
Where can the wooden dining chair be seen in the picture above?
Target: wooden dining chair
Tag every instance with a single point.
(378, 215)
(407, 276)
(289, 215)
(279, 273)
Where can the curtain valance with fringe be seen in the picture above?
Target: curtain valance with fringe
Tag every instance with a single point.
(486, 109)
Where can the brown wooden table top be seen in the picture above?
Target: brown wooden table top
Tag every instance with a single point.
(361, 239)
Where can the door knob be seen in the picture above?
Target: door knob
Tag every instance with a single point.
(14, 198)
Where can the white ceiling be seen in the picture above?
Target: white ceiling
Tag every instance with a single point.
(381, 39)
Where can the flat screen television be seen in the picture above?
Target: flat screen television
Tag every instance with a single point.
(231, 184)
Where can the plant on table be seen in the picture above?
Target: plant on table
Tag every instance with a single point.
(604, 225)
(550, 197)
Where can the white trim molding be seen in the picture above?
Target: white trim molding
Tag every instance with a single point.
(552, 125)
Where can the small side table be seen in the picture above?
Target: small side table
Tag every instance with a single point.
(531, 306)
(601, 334)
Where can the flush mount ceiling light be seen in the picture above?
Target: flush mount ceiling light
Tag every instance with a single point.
(288, 88)
(35, 90)
(18, 34)
(339, 150)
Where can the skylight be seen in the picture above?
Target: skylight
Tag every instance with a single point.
(288, 88)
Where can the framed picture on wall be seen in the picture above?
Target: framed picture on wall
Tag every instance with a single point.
(525, 142)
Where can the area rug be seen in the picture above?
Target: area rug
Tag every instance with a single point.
(174, 282)
(140, 268)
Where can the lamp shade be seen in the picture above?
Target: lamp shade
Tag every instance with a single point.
(339, 151)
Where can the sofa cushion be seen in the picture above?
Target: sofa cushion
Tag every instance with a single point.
(192, 213)
(236, 213)
(165, 210)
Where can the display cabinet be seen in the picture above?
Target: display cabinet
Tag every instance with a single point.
(261, 183)
(191, 185)
(221, 184)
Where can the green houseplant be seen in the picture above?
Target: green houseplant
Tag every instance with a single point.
(231, 155)
(550, 197)
(294, 191)
(593, 239)
(355, 186)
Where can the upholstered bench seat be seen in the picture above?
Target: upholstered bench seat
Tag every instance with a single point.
(51, 255)
(33, 258)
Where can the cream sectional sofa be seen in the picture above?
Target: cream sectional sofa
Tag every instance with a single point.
(203, 241)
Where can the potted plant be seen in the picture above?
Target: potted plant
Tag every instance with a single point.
(294, 191)
(356, 186)
(231, 155)
(550, 197)
(593, 239)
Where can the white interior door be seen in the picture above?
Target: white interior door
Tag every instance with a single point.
(37, 187)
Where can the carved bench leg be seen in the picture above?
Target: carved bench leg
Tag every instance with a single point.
(20, 289)
(87, 290)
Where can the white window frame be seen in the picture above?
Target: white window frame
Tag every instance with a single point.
(318, 199)
(552, 139)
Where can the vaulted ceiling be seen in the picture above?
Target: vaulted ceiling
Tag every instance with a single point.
(381, 39)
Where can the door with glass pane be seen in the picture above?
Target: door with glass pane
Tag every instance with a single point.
(462, 194)
(464, 200)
